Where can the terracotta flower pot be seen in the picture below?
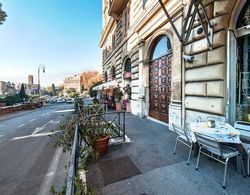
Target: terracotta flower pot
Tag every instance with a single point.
(128, 107)
(118, 106)
(101, 145)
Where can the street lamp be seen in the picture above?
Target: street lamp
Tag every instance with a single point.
(43, 68)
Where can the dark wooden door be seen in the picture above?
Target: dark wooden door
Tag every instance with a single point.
(160, 88)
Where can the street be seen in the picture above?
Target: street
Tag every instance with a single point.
(29, 164)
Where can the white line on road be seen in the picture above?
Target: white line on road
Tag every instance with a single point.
(36, 135)
(2, 125)
(21, 125)
(32, 120)
(47, 181)
(38, 129)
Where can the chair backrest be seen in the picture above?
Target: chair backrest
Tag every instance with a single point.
(181, 131)
(243, 128)
(208, 143)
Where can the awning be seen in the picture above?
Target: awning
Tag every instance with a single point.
(107, 85)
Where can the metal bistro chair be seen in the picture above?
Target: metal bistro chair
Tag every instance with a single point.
(184, 137)
(214, 147)
(244, 128)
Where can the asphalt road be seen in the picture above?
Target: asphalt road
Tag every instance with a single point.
(28, 162)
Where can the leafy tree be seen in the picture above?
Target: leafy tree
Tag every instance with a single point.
(3, 15)
(82, 88)
(89, 78)
(22, 92)
(53, 89)
(93, 93)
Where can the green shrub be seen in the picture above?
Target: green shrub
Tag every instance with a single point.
(10, 100)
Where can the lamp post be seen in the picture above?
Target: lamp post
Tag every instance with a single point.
(43, 68)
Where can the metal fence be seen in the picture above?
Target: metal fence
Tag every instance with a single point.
(85, 111)
(115, 122)
(73, 163)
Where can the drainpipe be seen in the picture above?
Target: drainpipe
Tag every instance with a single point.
(183, 117)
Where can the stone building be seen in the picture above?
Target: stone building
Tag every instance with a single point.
(30, 80)
(172, 81)
(7, 88)
(73, 82)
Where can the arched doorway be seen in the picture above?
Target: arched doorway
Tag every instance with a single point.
(243, 65)
(160, 79)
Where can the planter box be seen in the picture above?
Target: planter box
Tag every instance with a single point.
(127, 75)
(118, 106)
(128, 107)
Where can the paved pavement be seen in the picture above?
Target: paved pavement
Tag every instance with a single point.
(28, 162)
(160, 172)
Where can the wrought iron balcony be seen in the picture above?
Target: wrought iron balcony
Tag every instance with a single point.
(127, 75)
(116, 7)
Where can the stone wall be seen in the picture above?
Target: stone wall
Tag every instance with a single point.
(205, 77)
(16, 108)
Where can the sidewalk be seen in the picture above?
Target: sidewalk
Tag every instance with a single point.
(147, 166)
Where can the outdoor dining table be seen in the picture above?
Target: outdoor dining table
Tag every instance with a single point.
(222, 132)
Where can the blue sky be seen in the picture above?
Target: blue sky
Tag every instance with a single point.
(61, 34)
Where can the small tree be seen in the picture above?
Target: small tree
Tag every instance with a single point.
(22, 93)
(3, 15)
(53, 89)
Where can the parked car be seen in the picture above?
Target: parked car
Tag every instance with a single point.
(60, 100)
(88, 101)
(70, 100)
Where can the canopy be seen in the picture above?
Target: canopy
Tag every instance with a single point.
(106, 85)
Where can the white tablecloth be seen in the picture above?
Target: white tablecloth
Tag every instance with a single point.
(223, 132)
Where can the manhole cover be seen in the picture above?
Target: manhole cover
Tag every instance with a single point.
(118, 169)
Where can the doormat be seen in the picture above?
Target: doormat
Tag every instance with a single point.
(118, 169)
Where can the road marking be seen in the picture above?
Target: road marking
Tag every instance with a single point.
(36, 135)
(69, 110)
(2, 125)
(38, 129)
(32, 120)
(21, 125)
(47, 181)
(1, 135)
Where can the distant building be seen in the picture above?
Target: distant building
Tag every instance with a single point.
(30, 80)
(7, 88)
(31, 89)
(73, 82)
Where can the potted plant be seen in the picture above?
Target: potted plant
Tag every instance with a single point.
(127, 90)
(118, 96)
(95, 134)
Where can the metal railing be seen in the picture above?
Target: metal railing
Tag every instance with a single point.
(85, 111)
(70, 190)
(115, 122)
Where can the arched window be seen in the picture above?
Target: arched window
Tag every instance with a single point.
(127, 69)
(105, 76)
(127, 65)
(244, 18)
(113, 72)
(161, 48)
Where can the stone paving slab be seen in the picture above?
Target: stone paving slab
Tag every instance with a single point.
(151, 151)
